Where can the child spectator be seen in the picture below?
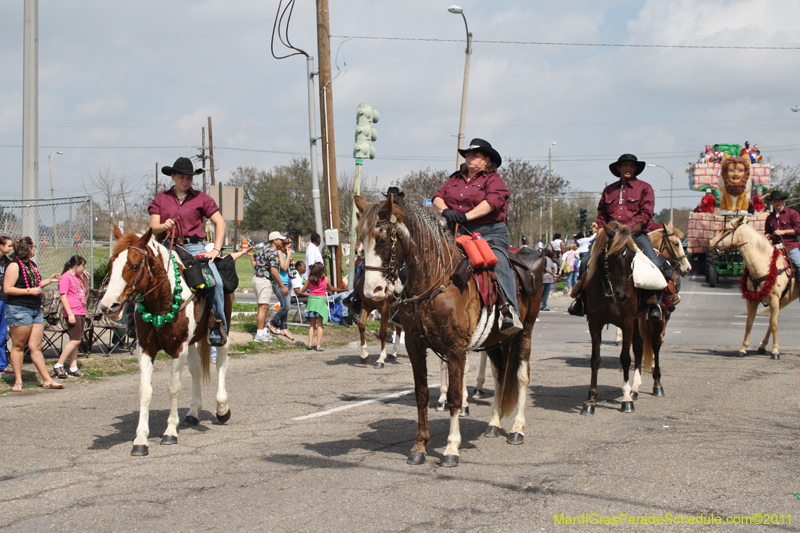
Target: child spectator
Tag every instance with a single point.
(73, 288)
(317, 306)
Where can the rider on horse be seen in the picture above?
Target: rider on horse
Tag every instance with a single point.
(628, 201)
(783, 225)
(476, 198)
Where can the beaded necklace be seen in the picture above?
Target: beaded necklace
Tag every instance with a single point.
(79, 288)
(158, 321)
(32, 270)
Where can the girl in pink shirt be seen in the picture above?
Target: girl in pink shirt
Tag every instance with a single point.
(73, 288)
(317, 306)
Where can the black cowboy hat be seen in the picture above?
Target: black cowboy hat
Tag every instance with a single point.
(776, 195)
(479, 145)
(622, 159)
(182, 165)
(395, 191)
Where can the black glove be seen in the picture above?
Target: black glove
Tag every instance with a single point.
(454, 217)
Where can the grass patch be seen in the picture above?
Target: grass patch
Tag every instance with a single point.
(240, 307)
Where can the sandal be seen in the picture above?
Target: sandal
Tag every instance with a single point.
(286, 333)
(58, 372)
(274, 330)
(17, 387)
(52, 385)
(319, 349)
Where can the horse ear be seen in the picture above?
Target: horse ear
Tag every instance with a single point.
(637, 229)
(610, 230)
(738, 222)
(144, 239)
(361, 204)
(117, 232)
(386, 207)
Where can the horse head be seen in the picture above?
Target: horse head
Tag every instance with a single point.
(385, 239)
(618, 251)
(728, 238)
(669, 244)
(129, 273)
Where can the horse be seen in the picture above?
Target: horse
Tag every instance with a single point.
(139, 272)
(446, 317)
(383, 307)
(765, 268)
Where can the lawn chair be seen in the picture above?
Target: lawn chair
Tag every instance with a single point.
(55, 327)
(109, 335)
(300, 302)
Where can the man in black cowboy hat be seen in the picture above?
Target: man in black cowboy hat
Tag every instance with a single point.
(783, 225)
(395, 191)
(628, 201)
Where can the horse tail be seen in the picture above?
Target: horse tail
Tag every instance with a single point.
(507, 382)
(204, 350)
(648, 356)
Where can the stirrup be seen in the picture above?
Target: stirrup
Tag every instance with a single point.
(511, 323)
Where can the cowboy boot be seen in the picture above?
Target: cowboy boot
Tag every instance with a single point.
(216, 333)
(578, 306)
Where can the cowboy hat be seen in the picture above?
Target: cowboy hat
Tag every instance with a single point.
(479, 145)
(182, 165)
(622, 159)
(275, 235)
(394, 191)
(776, 195)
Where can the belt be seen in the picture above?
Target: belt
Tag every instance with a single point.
(187, 240)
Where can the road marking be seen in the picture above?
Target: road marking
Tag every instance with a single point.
(359, 404)
(714, 293)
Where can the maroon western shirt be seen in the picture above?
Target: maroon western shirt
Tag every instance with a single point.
(462, 196)
(788, 218)
(627, 204)
(189, 214)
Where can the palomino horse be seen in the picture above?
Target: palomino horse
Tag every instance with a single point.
(141, 266)
(436, 314)
(383, 307)
(768, 278)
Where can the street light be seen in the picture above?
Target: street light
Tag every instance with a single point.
(53, 205)
(458, 11)
(550, 184)
(796, 108)
(670, 189)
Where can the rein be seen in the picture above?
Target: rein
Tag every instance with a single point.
(666, 244)
(610, 292)
(732, 231)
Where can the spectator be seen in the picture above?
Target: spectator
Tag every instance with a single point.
(717, 154)
(299, 276)
(5, 249)
(280, 283)
(758, 203)
(72, 288)
(317, 307)
(550, 272)
(23, 285)
(583, 245)
(556, 245)
(313, 255)
(262, 286)
(755, 155)
(540, 245)
(745, 152)
(569, 262)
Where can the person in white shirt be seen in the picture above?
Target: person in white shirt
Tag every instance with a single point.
(300, 279)
(556, 245)
(313, 255)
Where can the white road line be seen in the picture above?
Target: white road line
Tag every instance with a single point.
(359, 404)
(712, 293)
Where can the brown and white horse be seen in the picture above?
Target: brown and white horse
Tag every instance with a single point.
(383, 307)
(140, 266)
(436, 314)
(769, 278)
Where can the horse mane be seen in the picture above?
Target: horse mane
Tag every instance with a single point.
(623, 239)
(678, 233)
(760, 241)
(127, 240)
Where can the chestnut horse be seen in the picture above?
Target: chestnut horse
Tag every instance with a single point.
(140, 266)
(439, 315)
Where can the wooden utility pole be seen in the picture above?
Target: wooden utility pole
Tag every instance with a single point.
(326, 129)
(203, 155)
(211, 151)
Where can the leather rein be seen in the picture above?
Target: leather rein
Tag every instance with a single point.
(609, 291)
(666, 244)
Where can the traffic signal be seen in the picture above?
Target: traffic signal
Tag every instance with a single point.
(583, 218)
(366, 116)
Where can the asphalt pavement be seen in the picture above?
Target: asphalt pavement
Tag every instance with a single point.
(305, 449)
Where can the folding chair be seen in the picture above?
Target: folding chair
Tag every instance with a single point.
(300, 302)
(54, 326)
(110, 335)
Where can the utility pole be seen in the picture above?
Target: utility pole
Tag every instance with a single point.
(211, 153)
(312, 129)
(326, 129)
(203, 155)
(550, 187)
(30, 118)
(155, 191)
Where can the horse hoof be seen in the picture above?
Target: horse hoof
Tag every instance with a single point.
(492, 431)
(224, 418)
(449, 461)
(167, 440)
(478, 394)
(761, 351)
(391, 358)
(588, 409)
(416, 458)
(441, 405)
(139, 450)
(741, 353)
(464, 411)
(379, 365)
(516, 438)
(634, 395)
(776, 356)
(658, 390)
(627, 407)
(190, 421)
(365, 361)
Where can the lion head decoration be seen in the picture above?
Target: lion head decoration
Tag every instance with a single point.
(735, 175)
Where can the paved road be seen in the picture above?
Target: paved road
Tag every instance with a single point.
(723, 441)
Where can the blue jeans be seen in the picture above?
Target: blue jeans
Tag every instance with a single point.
(572, 279)
(279, 320)
(794, 256)
(3, 334)
(218, 298)
(546, 293)
(498, 233)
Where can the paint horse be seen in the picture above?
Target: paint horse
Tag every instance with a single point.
(383, 307)
(767, 279)
(169, 317)
(439, 315)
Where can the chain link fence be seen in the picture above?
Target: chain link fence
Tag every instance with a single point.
(60, 228)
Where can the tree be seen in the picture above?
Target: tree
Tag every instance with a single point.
(346, 184)
(528, 206)
(566, 212)
(117, 203)
(786, 178)
(419, 185)
(680, 218)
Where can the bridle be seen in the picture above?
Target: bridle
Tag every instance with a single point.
(724, 234)
(666, 244)
(609, 277)
(392, 271)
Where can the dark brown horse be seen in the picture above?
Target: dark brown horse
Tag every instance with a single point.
(383, 307)
(439, 315)
(141, 266)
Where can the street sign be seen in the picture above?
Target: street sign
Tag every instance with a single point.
(427, 203)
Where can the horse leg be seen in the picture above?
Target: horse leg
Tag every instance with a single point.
(774, 309)
(595, 331)
(384, 327)
(362, 326)
(396, 348)
(639, 346)
(494, 423)
(618, 337)
(171, 434)
(456, 365)
(193, 362)
(464, 393)
(752, 307)
(523, 378)
(625, 361)
(145, 395)
(419, 366)
(658, 390)
(479, 394)
(442, 403)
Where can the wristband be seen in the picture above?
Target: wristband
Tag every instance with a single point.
(217, 249)
(29, 291)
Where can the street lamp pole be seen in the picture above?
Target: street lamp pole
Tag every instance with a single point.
(52, 197)
(671, 220)
(458, 11)
(550, 186)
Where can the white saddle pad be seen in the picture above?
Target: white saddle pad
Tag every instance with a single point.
(646, 275)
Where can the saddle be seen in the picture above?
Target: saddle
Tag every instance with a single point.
(525, 264)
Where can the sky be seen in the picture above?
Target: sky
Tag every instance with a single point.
(125, 86)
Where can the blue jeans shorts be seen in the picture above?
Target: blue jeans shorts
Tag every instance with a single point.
(19, 315)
